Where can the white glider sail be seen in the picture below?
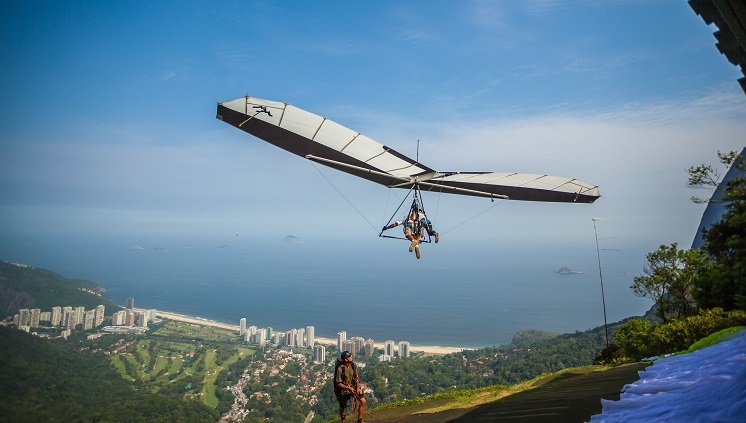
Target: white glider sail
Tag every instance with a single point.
(324, 141)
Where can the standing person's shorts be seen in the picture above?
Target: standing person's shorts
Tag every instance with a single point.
(343, 398)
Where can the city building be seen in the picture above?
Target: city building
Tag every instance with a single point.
(261, 337)
(130, 303)
(24, 317)
(319, 354)
(98, 319)
(403, 349)
(242, 326)
(388, 348)
(142, 319)
(89, 319)
(358, 344)
(56, 316)
(118, 318)
(310, 336)
(369, 348)
(79, 313)
(341, 338)
(71, 318)
(35, 317)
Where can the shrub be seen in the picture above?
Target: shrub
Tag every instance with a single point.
(638, 339)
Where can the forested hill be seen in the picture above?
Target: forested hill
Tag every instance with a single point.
(49, 382)
(24, 286)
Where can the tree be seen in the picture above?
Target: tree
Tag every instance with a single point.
(668, 280)
(707, 177)
(722, 283)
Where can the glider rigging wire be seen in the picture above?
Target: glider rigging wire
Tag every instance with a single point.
(474, 217)
(343, 196)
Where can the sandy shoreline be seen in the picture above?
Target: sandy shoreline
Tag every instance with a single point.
(429, 349)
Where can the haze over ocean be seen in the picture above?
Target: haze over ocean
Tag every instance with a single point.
(457, 295)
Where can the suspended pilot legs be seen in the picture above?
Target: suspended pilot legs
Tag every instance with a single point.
(428, 226)
(415, 238)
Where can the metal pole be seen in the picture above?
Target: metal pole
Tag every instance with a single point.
(601, 276)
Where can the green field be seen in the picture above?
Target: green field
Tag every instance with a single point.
(165, 361)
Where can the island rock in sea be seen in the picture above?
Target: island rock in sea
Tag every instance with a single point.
(568, 271)
(292, 240)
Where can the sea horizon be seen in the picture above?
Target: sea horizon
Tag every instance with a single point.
(455, 296)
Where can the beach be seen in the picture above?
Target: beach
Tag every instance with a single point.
(427, 349)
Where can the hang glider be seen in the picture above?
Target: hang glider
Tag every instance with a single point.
(324, 141)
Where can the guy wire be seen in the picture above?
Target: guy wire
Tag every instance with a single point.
(343, 196)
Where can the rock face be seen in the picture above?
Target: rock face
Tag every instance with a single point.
(715, 209)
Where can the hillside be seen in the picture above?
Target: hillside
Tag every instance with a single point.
(572, 395)
(44, 381)
(23, 286)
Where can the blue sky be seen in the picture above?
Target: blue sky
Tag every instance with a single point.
(108, 124)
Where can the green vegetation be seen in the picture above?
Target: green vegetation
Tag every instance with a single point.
(56, 382)
(639, 339)
(28, 287)
(696, 292)
(721, 282)
(715, 338)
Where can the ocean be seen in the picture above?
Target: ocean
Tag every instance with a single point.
(458, 294)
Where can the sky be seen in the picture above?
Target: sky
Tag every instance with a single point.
(108, 125)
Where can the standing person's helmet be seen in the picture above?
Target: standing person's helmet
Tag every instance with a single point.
(345, 355)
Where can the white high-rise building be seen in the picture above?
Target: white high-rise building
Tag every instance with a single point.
(98, 319)
(310, 335)
(152, 314)
(388, 348)
(79, 312)
(89, 318)
(319, 354)
(261, 337)
(142, 319)
(299, 337)
(403, 349)
(71, 318)
(358, 343)
(242, 326)
(341, 338)
(25, 319)
(56, 316)
(369, 347)
(35, 317)
(118, 318)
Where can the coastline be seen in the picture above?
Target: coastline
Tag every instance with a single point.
(427, 349)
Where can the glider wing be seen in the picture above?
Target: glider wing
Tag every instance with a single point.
(324, 141)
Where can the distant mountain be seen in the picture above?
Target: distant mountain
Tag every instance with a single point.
(23, 286)
(568, 271)
(290, 239)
